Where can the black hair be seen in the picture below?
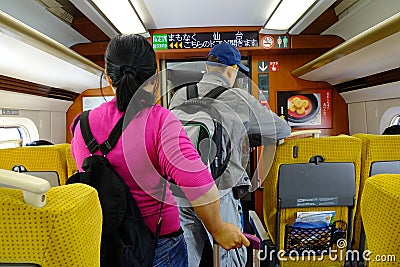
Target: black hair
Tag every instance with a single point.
(212, 58)
(130, 61)
(391, 130)
(217, 66)
(39, 143)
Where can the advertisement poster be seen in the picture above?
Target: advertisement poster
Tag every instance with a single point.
(92, 102)
(306, 108)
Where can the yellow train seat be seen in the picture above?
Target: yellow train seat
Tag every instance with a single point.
(299, 182)
(380, 154)
(48, 227)
(380, 210)
(71, 164)
(37, 158)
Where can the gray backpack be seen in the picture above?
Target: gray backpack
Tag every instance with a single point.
(203, 124)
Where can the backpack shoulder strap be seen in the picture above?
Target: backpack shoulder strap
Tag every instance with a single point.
(192, 91)
(214, 93)
(75, 123)
(91, 142)
(113, 137)
(87, 135)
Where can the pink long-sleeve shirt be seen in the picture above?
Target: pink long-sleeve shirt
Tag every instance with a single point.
(153, 144)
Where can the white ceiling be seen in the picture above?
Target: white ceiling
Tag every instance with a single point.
(31, 46)
(363, 15)
(25, 62)
(162, 14)
(36, 16)
(34, 62)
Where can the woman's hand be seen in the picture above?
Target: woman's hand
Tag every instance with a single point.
(229, 237)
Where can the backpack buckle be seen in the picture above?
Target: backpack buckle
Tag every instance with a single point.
(92, 145)
(105, 147)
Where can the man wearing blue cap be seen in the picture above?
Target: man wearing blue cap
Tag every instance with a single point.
(242, 115)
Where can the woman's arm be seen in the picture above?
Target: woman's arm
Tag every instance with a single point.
(225, 234)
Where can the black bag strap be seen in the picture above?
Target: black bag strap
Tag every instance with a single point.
(75, 123)
(159, 223)
(192, 91)
(214, 93)
(91, 142)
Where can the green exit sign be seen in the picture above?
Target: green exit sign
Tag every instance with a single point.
(160, 41)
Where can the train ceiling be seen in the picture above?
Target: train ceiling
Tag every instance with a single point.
(75, 22)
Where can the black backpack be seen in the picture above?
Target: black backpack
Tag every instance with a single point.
(203, 125)
(126, 241)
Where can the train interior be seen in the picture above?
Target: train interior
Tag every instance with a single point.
(340, 56)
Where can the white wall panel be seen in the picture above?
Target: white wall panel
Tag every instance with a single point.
(375, 111)
(357, 118)
(58, 127)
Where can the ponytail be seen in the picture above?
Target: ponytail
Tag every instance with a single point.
(130, 61)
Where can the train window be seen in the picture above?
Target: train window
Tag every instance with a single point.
(10, 134)
(16, 131)
(395, 120)
(10, 137)
(390, 117)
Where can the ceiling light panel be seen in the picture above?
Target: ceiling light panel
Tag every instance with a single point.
(121, 14)
(288, 12)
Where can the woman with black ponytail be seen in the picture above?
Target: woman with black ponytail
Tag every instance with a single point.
(153, 145)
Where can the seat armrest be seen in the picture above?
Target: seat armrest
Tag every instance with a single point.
(34, 189)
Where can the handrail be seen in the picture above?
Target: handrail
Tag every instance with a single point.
(313, 133)
(16, 29)
(34, 189)
(380, 31)
(16, 143)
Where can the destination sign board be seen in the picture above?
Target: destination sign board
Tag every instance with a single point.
(204, 40)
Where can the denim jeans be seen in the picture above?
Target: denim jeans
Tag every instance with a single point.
(196, 234)
(171, 252)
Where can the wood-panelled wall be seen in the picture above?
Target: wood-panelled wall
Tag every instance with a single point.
(77, 107)
(282, 80)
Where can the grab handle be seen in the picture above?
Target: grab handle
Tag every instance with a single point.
(254, 241)
(313, 133)
(34, 189)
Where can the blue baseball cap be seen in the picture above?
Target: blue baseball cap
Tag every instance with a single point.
(228, 55)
